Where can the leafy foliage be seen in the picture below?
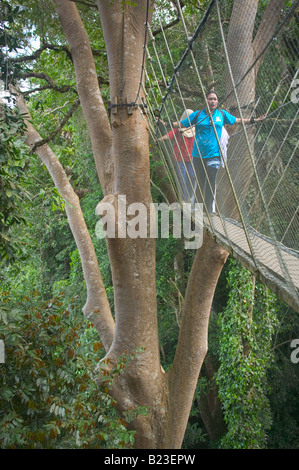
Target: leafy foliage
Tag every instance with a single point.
(13, 155)
(283, 379)
(246, 330)
(48, 395)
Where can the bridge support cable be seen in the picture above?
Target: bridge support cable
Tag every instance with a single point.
(256, 202)
(249, 238)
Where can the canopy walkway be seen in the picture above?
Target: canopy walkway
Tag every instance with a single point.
(278, 270)
(256, 201)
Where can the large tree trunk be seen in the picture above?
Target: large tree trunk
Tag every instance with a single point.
(244, 58)
(132, 260)
(168, 397)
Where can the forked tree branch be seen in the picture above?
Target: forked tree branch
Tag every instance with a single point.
(193, 336)
(36, 54)
(97, 308)
(267, 27)
(58, 128)
(88, 90)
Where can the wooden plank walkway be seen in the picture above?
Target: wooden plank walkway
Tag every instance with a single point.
(277, 267)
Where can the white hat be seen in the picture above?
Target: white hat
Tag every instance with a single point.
(187, 132)
(186, 113)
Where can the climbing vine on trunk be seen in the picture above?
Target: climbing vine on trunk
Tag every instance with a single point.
(246, 330)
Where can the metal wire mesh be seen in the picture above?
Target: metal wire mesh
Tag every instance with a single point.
(250, 57)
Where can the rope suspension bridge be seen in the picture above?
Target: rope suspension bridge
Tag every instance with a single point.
(250, 59)
(255, 207)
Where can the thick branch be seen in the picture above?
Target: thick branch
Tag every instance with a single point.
(54, 47)
(48, 79)
(88, 90)
(97, 306)
(193, 337)
(167, 26)
(36, 54)
(63, 89)
(267, 27)
(239, 37)
(58, 128)
(88, 4)
(240, 51)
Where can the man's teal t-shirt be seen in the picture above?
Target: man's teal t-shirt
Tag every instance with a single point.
(205, 144)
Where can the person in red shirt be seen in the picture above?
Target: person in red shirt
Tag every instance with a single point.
(182, 142)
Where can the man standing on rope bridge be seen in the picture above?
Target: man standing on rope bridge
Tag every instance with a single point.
(206, 153)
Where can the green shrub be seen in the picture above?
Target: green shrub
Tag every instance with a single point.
(48, 396)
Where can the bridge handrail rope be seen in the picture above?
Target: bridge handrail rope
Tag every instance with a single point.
(173, 108)
(153, 133)
(181, 96)
(253, 137)
(213, 125)
(282, 263)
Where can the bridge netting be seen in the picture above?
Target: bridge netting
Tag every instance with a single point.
(250, 58)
